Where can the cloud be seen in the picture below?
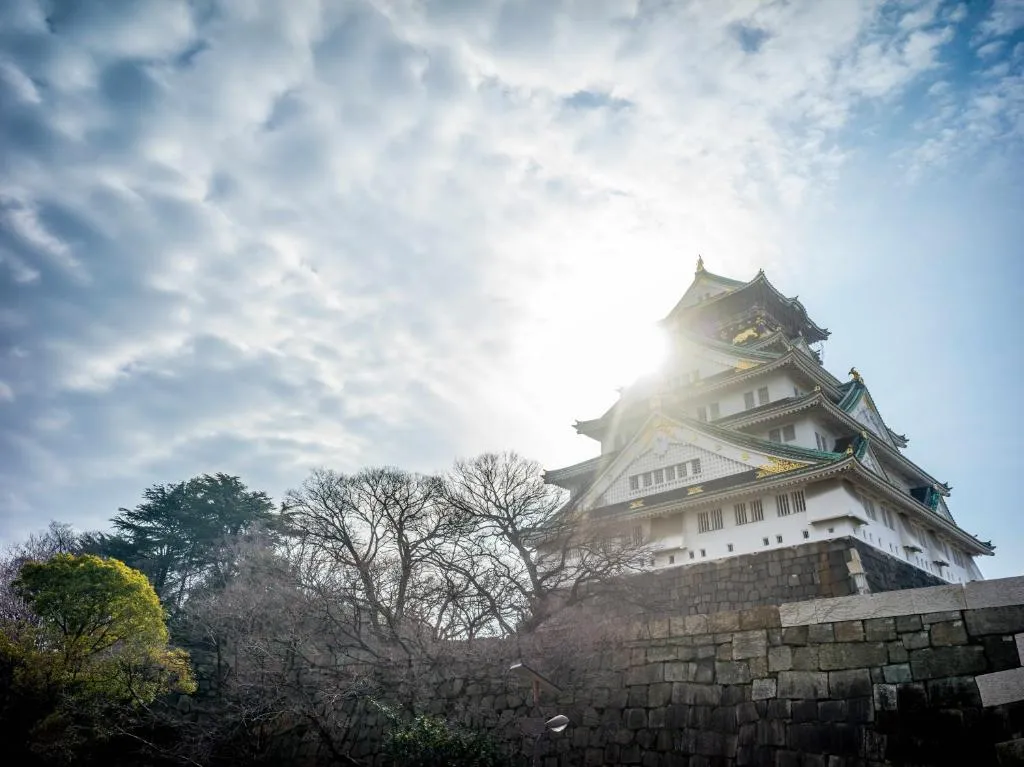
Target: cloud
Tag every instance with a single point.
(261, 237)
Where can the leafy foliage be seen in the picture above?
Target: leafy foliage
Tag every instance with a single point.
(101, 627)
(180, 535)
(428, 741)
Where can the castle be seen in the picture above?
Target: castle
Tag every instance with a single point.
(744, 442)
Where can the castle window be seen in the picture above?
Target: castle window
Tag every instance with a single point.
(638, 535)
(740, 513)
(709, 520)
(869, 507)
(778, 539)
(799, 502)
(782, 505)
(807, 534)
(703, 552)
(648, 479)
(762, 395)
(634, 482)
(695, 466)
(748, 400)
(691, 555)
(670, 473)
(659, 476)
(671, 559)
(821, 442)
(765, 541)
(756, 511)
(729, 546)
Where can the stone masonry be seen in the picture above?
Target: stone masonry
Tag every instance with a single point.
(928, 676)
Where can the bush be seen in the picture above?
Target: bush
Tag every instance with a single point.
(428, 741)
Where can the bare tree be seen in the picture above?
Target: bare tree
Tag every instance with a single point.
(519, 551)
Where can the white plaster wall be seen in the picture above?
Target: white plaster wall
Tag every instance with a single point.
(713, 466)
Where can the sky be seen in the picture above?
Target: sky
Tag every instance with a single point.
(264, 237)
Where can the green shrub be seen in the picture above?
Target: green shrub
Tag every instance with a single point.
(429, 741)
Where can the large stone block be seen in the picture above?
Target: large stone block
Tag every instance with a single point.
(948, 633)
(820, 633)
(957, 692)
(994, 593)
(797, 613)
(935, 662)
(749, 644)
(723, 622)
(852, 683)
(690, 694)
(1001, 687)
(763, 689)
(852, 655)
(880, 629)
(732, 672)
(780, 658)
(897, 673)
(849, 631)
(995, 620)
(802, 684)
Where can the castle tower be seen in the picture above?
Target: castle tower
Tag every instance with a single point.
(744, 443)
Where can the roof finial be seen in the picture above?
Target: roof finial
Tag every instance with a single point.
(855, 375)
(700, 263)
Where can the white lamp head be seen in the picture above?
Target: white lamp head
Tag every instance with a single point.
(557, 723)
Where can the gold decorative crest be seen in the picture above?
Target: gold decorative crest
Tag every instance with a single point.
(745, 365)
(694, 490)
(743, 335)
(778, 466)
(636, 504)
(744, 456)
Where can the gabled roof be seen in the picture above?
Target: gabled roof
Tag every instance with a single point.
(790, 405)
(760, 284)
(815, 372)
(775, 451)
(853, 392)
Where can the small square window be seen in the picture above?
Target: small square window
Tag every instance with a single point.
(765, 541)
(634, 482)
(648, 479)
(778, 539)
(671, 559)
(670, 473)
(748, 400)
(691, 555)
(831, 529)
(729, 546)
(788, 433)
(762, 395)
(695, 466)
(659, 476)
(703, 553)
(807, 534)
(775, 435)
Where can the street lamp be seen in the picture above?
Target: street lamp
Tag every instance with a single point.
(555, 724)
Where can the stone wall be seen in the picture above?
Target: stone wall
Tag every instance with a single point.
(834, 568)
(919, 677)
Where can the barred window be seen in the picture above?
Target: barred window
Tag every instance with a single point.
(681, 470)
(748, 400)
(740, 512)
(659, 476)
(782, 505)
(634, 482)
(709, 520)
(695, 466)
(799, 502)
(869, 507)
(762, 395)
(638, 535)
(670, 473)
(756, 511)
(648, 479)
(788, 433)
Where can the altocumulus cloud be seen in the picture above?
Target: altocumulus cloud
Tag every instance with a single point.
(259, 237)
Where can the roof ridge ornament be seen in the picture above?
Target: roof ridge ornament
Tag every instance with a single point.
(700, 263)
(855, 375)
